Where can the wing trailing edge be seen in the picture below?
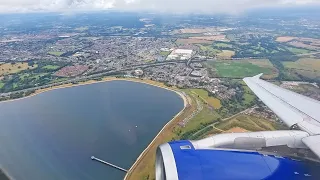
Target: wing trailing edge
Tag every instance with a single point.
(313, 142)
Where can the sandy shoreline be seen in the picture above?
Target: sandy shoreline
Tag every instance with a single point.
(149, 82)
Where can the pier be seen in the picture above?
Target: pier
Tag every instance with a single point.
(109, 164)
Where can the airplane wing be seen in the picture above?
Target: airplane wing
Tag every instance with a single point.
(292, 108)
(235, 155)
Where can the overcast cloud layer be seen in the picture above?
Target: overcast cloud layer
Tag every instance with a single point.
(179, 6)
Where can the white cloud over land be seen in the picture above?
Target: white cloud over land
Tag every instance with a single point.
(180, 6)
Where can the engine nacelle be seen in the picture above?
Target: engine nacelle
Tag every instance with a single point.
(220, 157)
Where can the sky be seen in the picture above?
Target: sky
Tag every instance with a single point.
(172, 6)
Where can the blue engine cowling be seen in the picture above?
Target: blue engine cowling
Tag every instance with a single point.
(180, 160)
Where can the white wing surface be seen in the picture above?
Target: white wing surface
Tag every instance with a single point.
(292, 108)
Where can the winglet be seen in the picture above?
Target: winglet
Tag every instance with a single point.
(258, 76)
(246, 79)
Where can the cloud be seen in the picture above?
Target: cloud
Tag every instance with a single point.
(179, 6)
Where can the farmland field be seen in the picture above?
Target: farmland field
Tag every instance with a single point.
(298, 50)
(307, 67)
(310, 74)
(50, 67)
(203, 94)
(226, 54)
(222, 45)
(236, 130)
(191, 31)
(55, 53)
(192, 41)
(260, 62)
(205, 116)
(208, 50)
(304, 64)
(285, 38)
(244, 123)
(314, 45)
(11, 68)
(212, 38)
(249, 123)
(241, 68)
(308, 90)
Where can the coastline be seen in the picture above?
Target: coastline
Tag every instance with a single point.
(134, 165)
(69, 85)
(149, 82)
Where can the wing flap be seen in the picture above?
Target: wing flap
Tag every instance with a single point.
(313, 142)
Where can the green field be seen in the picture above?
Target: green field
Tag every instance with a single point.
(204, 95)
(246, 122)
(15, 85)
(148, 60)
(208, 50)
(31, 77)
(12, 68)
(186, 35)
(250, 123)
(23, 76)
(204, 117)
(308, 64)
(84, 28)
(298, 50)
(306, 89)
(55, 53)
(165, 53)
(1, 84)
(222, 45)
(307, 67)
(248, 97)
(50, 67)
(237, 69)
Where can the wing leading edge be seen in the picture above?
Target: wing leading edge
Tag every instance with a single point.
(292, 108)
